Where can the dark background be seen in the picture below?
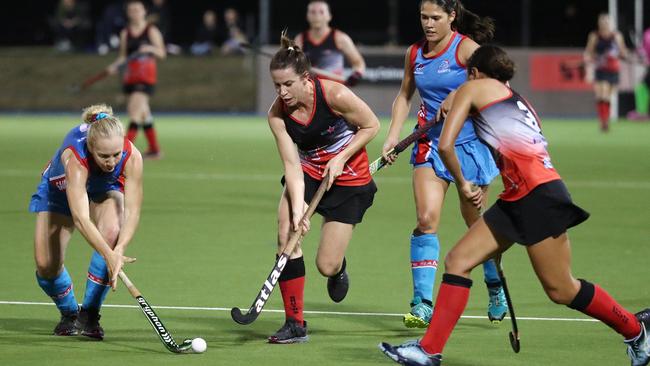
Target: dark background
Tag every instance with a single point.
(553, 23)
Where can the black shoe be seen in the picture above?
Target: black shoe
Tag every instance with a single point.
(291, 332)
(337, 286)
(66, 326)
(88, 323)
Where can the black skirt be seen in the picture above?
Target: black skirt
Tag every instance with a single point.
(547, 211)
(346, 204)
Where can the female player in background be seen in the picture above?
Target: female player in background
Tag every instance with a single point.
(140, 44)
(435, 66)
(326, 47)
(534, 193)
(321, 129)
(93, 183)
(604, 47)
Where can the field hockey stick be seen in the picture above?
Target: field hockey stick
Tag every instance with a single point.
(514, 334)
(314, 70)
(154, 320)
(272, 280)
(401, 146)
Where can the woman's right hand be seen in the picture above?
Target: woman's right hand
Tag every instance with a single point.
(389, 144)
(297, 215)
(114, 263)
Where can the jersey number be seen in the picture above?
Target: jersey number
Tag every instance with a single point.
(529, 118)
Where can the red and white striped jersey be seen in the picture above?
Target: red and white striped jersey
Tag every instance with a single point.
(511, 128)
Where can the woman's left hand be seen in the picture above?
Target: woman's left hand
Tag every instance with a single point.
(472, 193)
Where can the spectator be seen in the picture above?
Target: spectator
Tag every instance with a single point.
(112, 21)
(234, 34)
(70, 24)
(159, 16)
(206, 35)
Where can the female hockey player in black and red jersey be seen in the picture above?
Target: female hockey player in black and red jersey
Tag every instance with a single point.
(140, 44)
(321, 129)
(326, 47)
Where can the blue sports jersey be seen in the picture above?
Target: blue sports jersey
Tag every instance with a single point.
(436, 77)
(98, 180)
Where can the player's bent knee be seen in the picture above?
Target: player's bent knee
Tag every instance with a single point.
(559, 296)
(328, 269)
(110, 233)
(47, 269)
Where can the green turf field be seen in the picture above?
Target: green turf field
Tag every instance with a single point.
(206, 243)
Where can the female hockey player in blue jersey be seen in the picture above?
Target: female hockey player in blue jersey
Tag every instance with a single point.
(94, 184)
(435, 66)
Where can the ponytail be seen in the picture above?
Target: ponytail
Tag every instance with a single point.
(290, 56)
(479, 29)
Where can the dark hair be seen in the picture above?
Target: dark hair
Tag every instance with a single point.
(493, 62)
(290, 55)
(480, 29)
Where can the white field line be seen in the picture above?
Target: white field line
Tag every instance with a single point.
(619, 184)
(344, 313)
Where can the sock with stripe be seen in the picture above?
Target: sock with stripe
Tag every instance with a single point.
(450, 304)
(425, 250)
(150, 133)
(597, 303)
(132, 132)
(292, 286)
(97, 285)
(61, 291)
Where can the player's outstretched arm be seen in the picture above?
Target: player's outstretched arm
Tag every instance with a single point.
(132, 200)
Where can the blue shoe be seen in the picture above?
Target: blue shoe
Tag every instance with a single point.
(420, 314)
(411, 354)
(639, 348)
(497, 307)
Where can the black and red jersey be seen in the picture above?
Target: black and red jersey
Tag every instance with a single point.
(140, 68)
(607, 53)
(324, 54)
(324, 136)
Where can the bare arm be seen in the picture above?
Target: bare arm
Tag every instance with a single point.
(461, 106)
(293, 176)
(354, 110)
(350, 51)
(132, 200)
(401, 106)
(621, 46)
(76, 178)
(590, 49)
(157, 46)
(121, 56)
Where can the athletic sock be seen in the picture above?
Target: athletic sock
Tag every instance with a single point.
(292, 286)
(597, 303)
(97, 284)
(450, 303)
(132, 132)
(492, 278)
(61, 291)
(150, 133)
(425, 250)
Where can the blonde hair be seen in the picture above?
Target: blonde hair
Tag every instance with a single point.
(101, 123)
(90, 114)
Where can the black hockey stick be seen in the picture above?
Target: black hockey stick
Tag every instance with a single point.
(514, 334)
(272, 280)
(154, 320)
